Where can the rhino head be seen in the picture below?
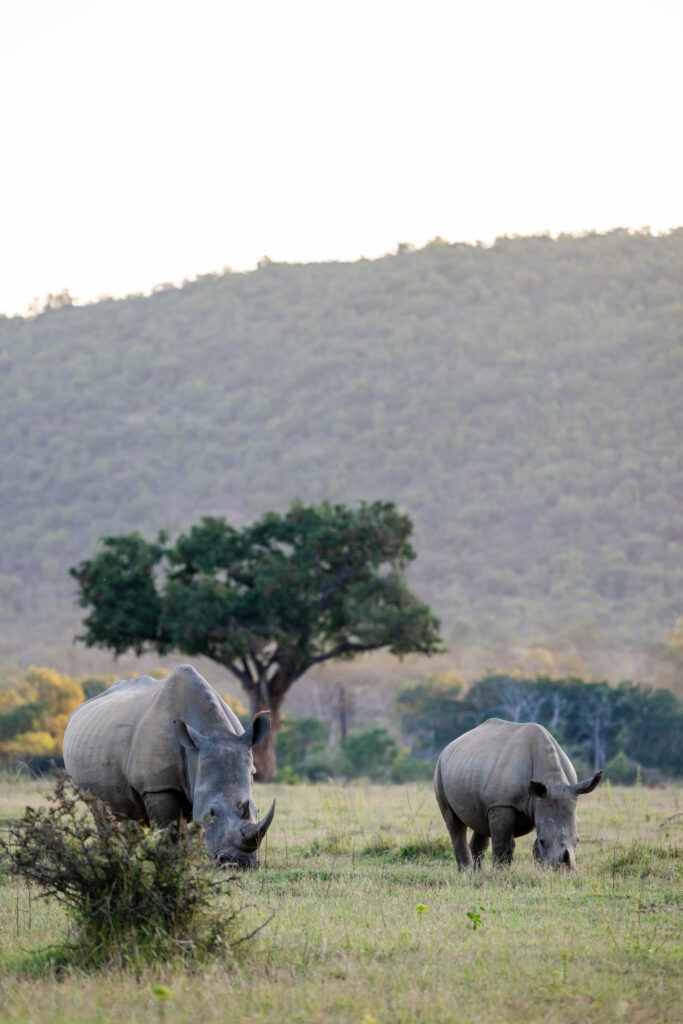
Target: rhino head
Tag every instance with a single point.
(554, 814)
(219, 778)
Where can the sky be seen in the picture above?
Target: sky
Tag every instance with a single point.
(151, 141)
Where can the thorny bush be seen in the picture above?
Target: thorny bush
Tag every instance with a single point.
(131, 893)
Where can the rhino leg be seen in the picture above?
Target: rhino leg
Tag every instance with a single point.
(502, 826)
(457, 830)
(479, 844)
(165, 808)
(458, 833)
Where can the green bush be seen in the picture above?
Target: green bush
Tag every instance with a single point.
(302, 751)
(405, 768)
(621, 770)
(303, 755)
(288, 775)
(131, 893)
(369, 754)
(318, 764)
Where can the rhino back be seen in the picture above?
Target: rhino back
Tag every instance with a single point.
(493, 765)
(97, 744)
(122, 743)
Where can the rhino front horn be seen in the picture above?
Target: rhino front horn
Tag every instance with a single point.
(252, 834)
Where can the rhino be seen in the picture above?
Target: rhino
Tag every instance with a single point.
(502, 780)
(162, 751)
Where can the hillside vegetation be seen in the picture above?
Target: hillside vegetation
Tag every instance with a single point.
(521, 402)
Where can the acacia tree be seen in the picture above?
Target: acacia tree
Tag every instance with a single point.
(266, 602)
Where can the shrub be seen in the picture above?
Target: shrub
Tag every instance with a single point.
(318, 764)
(410, 769)
(369, 753)
(302, 752)
(303, 755)
(131, 893)
(621, 770)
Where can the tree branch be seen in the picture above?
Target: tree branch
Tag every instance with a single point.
(250, 683)
(242, 675)
(336, 652)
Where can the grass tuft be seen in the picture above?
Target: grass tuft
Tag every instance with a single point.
(412, 850)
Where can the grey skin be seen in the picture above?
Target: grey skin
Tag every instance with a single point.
(502, 780)
(162, 751)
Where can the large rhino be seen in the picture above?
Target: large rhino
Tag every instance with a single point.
(504, 779)
(161, 750)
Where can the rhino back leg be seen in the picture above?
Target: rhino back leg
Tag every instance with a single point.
(457, 829)
(479, 844)
(502, 826)
(166, 808)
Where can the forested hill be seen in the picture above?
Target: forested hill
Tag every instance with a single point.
(522, 402)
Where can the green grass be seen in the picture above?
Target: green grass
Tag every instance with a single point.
(372, 923)
(17, 791)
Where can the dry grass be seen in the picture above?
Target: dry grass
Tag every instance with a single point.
(373, 924)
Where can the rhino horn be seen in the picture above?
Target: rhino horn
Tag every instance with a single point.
(253, 833)
(586, 785)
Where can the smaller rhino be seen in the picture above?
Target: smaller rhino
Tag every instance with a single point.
(502, 780)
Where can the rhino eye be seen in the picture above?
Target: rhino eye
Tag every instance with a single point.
(212, 813)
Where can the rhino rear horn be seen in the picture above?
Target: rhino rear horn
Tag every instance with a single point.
(258, 730)
(586, 785)
(252, 834)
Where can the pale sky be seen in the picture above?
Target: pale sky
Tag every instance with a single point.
(148, 141)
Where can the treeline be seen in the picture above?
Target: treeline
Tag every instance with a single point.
(631, 730)
(521, 402)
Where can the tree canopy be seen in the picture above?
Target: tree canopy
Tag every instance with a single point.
(266, 602)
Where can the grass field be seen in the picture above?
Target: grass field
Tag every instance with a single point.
(373, 925)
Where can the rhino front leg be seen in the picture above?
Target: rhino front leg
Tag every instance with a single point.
(479, 844)
(165, 808)
(502, 826)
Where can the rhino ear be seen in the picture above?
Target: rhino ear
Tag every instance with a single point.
(586, 785)
(188, 737)
(258, 730)
(537, 788)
